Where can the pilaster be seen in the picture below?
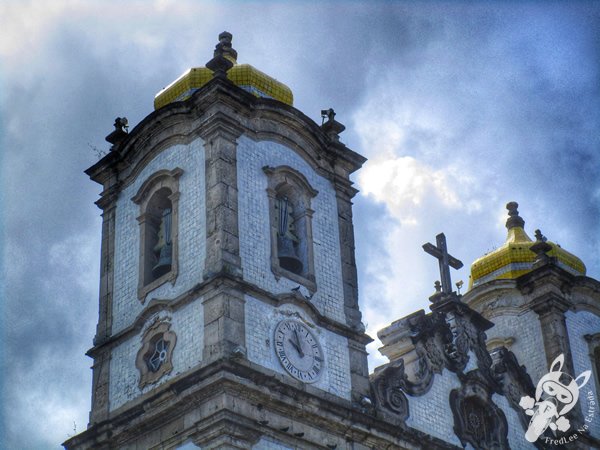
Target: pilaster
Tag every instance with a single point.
(222, 233)
(551, 309)
(107, 254)
(100, 387)
(224, 323)
(593, 341)
(359, 369)
(347, 250)
(100, 368)
(546, 289)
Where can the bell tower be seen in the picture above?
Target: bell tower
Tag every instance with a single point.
(228, 294)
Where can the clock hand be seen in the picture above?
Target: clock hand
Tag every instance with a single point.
(299, 347)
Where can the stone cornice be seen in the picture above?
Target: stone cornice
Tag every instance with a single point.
(251, 385)
(219, 124)
(550, 302)
(156, 305)
(225, 106)
(585, 295)
(480, 293)
(547, 277)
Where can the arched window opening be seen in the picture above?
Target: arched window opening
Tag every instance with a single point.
(288, 236)
(291, 230)
(159, 241)
(158, 199)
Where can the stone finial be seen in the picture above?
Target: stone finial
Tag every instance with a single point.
(220, 64)
(541, 248)
(539, 237)
(328, 114)
(225, 42)
(514, 220)
(438, 292)
(332, 127)
(120, 131)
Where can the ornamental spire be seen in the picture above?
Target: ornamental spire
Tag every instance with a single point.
(225, 45)
(224, 56)
(514, 220)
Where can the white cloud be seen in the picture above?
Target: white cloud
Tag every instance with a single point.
(404, 184)
(24, 23)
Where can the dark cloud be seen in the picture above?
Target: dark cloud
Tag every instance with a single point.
(500, 100)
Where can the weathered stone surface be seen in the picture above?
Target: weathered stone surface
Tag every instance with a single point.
(228, 403)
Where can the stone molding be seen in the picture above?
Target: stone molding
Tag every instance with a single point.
(156, 305)
(258, 118)
(585, 295)
(227, 392)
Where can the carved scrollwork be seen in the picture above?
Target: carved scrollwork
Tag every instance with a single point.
(429, 335)
(513, 381)
(388, 385)
(444, 339)
(478, 421)
(466, 333)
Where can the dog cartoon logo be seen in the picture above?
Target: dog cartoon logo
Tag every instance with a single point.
(556, 394)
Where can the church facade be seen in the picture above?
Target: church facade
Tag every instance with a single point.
(229, 311)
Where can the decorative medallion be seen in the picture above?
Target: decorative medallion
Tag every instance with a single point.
(154, 359)
(298, 350)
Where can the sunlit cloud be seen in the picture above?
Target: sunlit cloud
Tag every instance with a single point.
(403, 183)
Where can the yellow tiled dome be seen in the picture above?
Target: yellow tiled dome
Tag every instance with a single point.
(515, 258)
(243, 75)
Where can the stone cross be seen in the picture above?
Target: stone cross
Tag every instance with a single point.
(445, 260)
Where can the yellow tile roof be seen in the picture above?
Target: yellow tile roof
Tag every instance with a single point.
(514, 258)
(245, 76)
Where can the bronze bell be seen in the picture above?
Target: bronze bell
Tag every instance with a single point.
(164, 262)
(286, 253)
(163, 246)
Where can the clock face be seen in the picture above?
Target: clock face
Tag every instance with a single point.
(298, 350)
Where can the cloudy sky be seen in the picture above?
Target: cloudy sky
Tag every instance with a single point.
(460, 108)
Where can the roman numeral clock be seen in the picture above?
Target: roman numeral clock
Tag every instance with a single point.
(298, 350)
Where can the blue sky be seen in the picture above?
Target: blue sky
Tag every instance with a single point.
(459, 106)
